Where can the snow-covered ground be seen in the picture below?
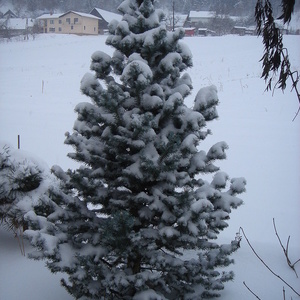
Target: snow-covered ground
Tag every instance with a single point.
(39, 82)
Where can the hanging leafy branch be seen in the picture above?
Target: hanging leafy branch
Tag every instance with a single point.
(275, 58)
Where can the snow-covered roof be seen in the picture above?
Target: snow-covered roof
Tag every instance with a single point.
(80, 14)
(108, 16)
(56, 16)
(201, 14)
(181, 19)
(17, 23)
(6, 6)
(10, 14)
(237, 18)
(49, 16)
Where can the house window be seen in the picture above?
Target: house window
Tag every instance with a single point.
(59, 28)
(51, 29)
(60, 21)
(72, 27)
(68, 20)
(94, 29)
(51, 21)
(83, 27)
(75, 20)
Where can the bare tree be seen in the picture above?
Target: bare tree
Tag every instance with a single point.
(285, 250)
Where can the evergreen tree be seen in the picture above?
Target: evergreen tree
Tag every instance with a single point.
(120, 225)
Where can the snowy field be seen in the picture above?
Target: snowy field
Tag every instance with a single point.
(39, 81)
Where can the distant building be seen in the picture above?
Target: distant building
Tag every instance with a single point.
(9, 14)
(47, 21)
(200, 17)
(69, 23)
(179, 20)
(11, 25)
(105, 17)
(205, 32)
(240, 30)
(190, 31)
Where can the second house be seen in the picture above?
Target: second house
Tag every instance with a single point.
(70, 22)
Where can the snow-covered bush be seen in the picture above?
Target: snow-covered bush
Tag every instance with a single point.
(22, 180)
(120, 225)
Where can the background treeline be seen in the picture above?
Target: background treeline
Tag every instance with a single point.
(226, 7)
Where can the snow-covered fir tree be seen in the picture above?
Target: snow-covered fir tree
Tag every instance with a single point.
(120, 225)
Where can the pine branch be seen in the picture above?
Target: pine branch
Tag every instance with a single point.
(17, 228)
(263, 262)
(20, 239)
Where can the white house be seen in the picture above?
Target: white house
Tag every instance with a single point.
(203, 17)
(15, 26)
(105, 18)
